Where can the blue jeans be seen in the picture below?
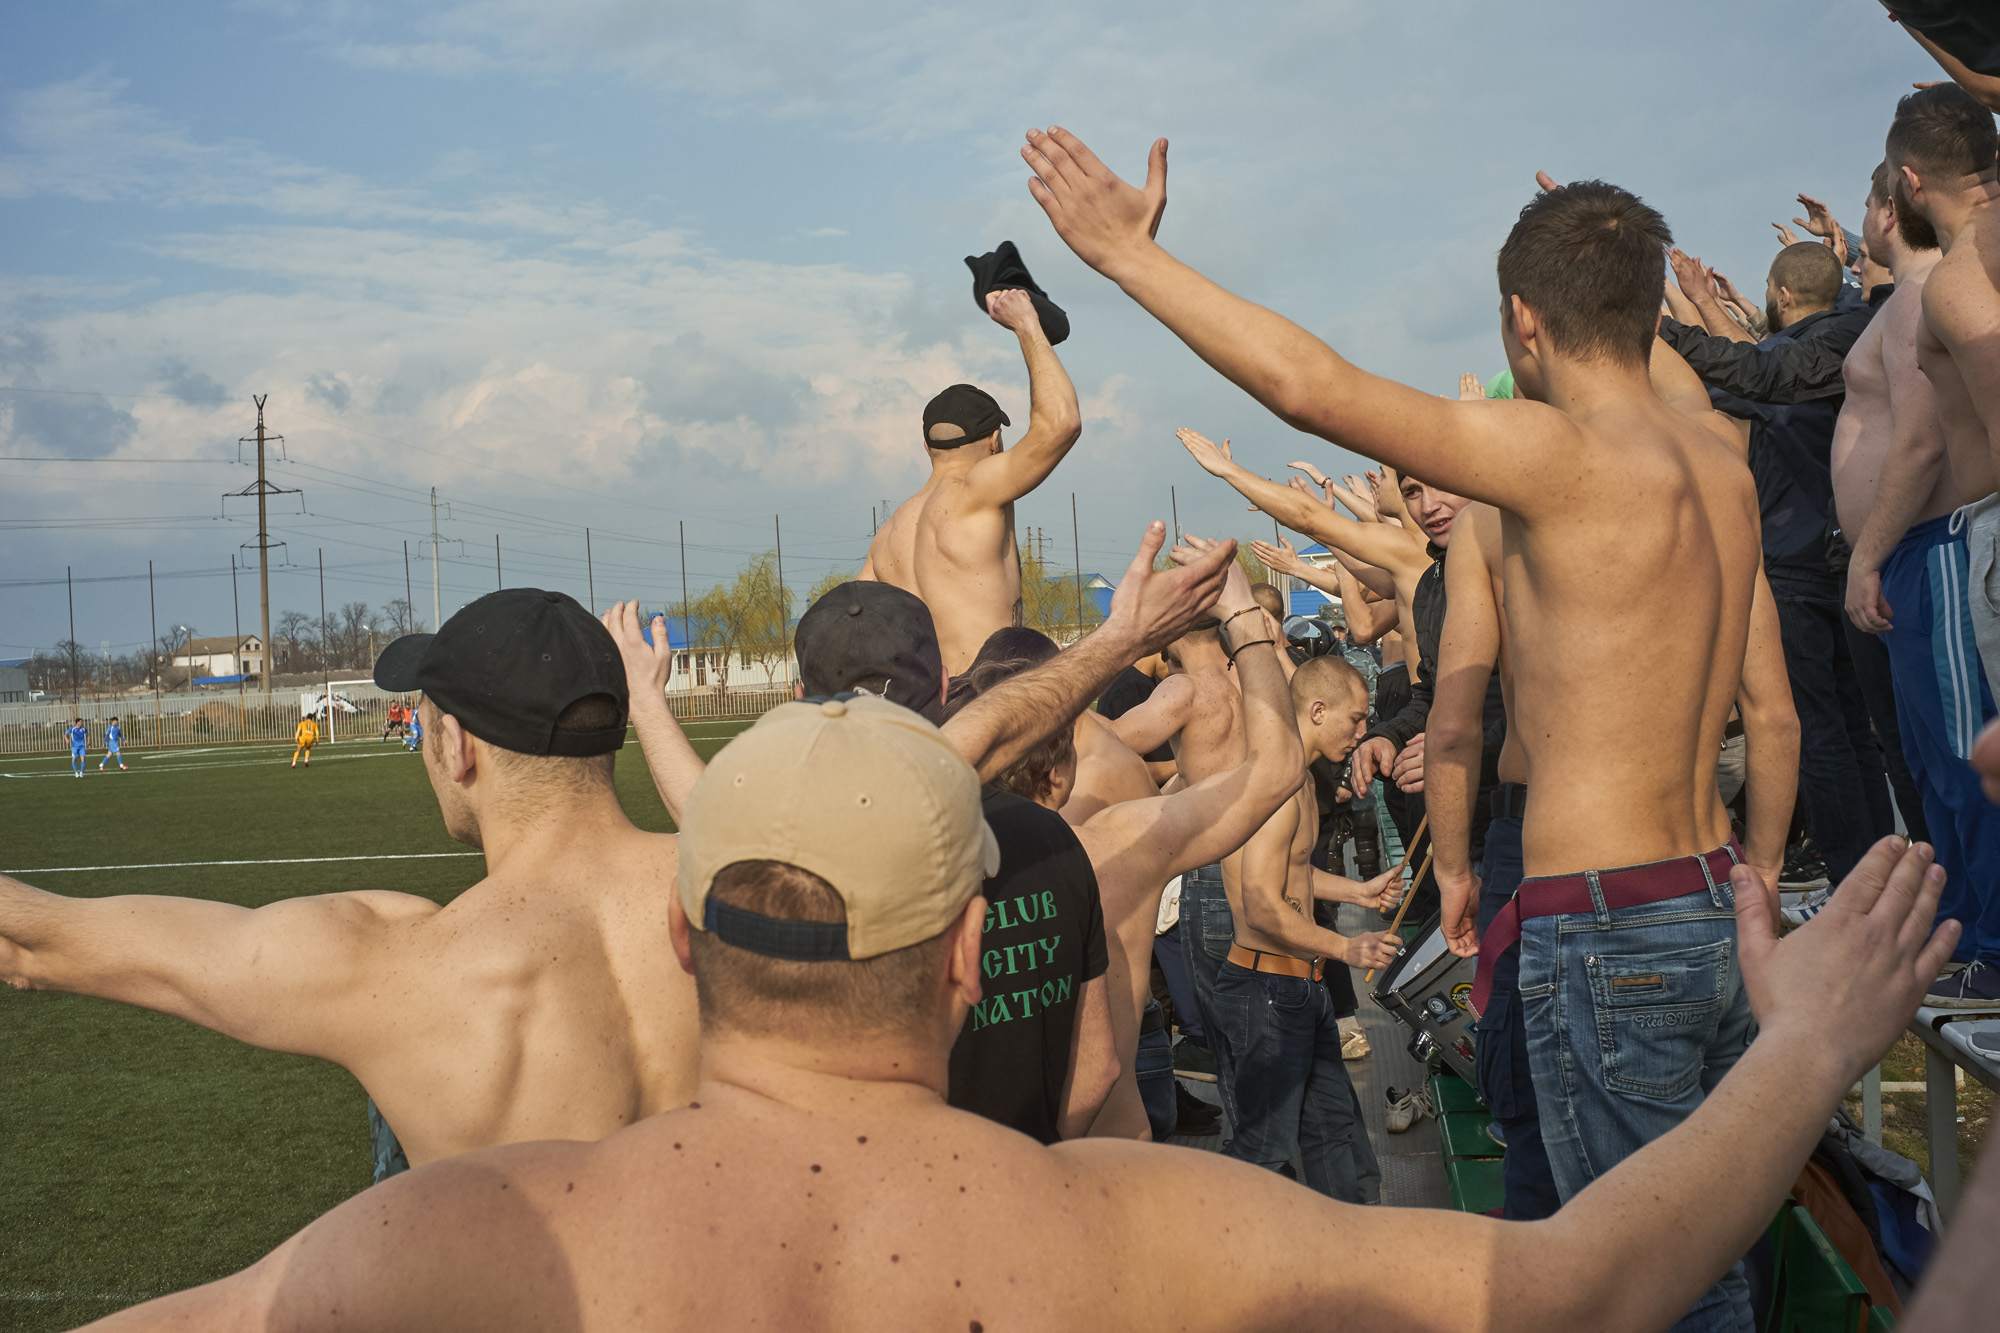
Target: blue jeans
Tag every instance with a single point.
(389, 1158)
(1501, 1058)
(1207, 930)
(1633, 1016)
(1167, 951)
(1292, 1092)
(1840, 765)
(1153, 1066)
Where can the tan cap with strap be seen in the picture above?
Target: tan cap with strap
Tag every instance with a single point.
(859, 791)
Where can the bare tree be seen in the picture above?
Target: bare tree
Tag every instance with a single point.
(299, 633)
(356, 621)
(398, 618)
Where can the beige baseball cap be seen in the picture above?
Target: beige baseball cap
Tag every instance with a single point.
(857, 790)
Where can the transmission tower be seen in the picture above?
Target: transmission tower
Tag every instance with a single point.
(263, 490)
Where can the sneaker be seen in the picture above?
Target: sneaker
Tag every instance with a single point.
(1976, 987)
(1494, 1132)
(1806, 908)
(1354, 1046)
(1407, 1109)
(1804, 868)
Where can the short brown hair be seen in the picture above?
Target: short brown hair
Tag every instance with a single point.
(1878, 185)
(1943, 130)
(760, 996)
(593, 712)
(1270, 599)
(1810, 271)
(1319, 677)
(1032, 776)
(1589, 260)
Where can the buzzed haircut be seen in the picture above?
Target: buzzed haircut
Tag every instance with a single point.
(1032, 776)
(1269, 598)
(1810, 271)
(593, 712)
(1589, 260)
(1943, 131)
(1325, 678)
(750, 993)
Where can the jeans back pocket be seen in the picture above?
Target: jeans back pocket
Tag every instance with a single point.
(1657, 1014)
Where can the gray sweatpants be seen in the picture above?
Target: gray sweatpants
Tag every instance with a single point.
(1982, 540)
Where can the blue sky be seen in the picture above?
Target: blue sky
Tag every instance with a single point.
(631, 265)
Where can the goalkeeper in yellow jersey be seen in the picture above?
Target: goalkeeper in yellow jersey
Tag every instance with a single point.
(307, 735)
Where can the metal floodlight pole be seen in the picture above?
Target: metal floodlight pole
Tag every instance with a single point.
(1076, 544)
(236, 619)
(409, 598)
(69, 581)
(153, 608)
(499, 579)
(436, 618)
(325, 666)
(590, 571)
(687, 642)
(784, 603)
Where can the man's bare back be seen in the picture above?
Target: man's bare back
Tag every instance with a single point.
(1108, 772)
(952, 543)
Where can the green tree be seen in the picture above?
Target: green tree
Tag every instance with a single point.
(1050, 597)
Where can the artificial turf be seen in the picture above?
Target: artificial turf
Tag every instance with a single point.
(140, 1154)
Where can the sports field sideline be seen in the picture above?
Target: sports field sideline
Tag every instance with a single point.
(144, 1154)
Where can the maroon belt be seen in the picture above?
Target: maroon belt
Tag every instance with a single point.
(1571, 895)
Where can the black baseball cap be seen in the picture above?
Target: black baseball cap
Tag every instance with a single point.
(967, 407)
(874, 637)
(507, 665)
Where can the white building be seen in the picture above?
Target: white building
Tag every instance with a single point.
(224, 656)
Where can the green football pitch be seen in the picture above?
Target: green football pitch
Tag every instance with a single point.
(140, 1154)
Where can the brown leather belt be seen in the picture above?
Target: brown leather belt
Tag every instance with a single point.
(1280, 964)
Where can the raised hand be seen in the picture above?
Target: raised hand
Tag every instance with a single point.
(1282, 558)
(1844, 984)
(1319, 478)
(1013, 309)
(1818, 219)
(1214, 458)
(1470, 389)
(1358, 496)
(1098, 215)
(1546, 181)
(1728, 290)
(1158, 606)
(1235, 594)
(1785, 236)
(1691, 275)
(647, 665)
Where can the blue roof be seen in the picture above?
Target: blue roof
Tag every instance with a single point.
(1317, 548)
(1101, 598)
(15, 661)
(1308, 601)
(219, 680)
(705, 631)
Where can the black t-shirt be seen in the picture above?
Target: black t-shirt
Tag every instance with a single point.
(1044, 938)
(1127, 690)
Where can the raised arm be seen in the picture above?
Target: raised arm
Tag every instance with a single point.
(1367, 621)
(1153, 840)
(1054, 421)
(1696, 284)
(1148, 726)
(671, 760)
(1149, 610)
(1985, 88)
(1770, 741)
(286, 977)
(1507, 451)
(1785, 372)
(1376, 543)
(1468, 652)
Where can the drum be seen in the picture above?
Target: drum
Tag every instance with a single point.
(1429, 990)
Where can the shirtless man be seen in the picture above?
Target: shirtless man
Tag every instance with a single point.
(1940, 153)
(1275, 1029)
(1897, 486)
(1624, 514)
(1462, 738)
(535, 1005)
(952, 543)
(819, 1180)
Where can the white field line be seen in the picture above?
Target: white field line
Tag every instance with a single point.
(122, 1297)
(157, 766)
(277, 861)
(154, 757)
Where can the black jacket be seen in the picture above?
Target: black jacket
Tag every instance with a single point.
(1802, 366)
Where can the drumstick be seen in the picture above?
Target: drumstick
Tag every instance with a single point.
(1411, 850)
(1369, 975)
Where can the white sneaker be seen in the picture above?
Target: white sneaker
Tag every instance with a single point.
(1806, 908)
(1406, 1110)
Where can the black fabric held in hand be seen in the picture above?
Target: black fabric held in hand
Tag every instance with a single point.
(1001, 269)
